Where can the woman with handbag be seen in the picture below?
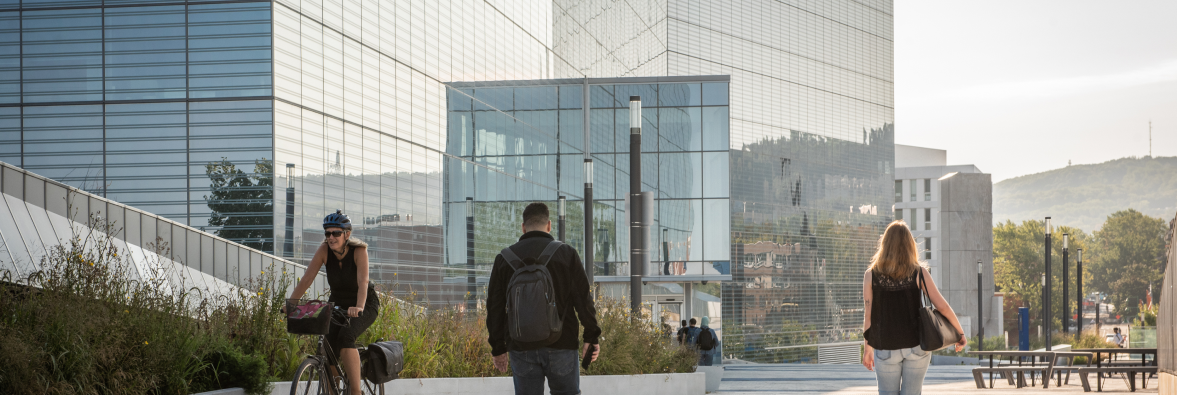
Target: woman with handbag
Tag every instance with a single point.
(346, 261)
(900, 331)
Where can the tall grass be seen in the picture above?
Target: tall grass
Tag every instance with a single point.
(452, 342)
(90, 323)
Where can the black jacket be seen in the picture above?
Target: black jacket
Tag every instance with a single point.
(572, 295)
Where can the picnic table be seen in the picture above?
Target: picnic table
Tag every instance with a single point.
(1049, 357)
(1144, 352)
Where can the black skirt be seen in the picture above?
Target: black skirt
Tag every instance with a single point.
(341, 337)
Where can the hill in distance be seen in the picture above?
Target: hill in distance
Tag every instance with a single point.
(1084, 195)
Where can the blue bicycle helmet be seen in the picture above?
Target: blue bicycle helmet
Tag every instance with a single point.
(337, 220)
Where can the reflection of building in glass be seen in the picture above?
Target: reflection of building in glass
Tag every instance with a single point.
(950, 212)
(811, 143)
(522, 142)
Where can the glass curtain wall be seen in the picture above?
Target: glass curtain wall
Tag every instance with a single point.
(360, 112)
(521, 142)
(165, 108)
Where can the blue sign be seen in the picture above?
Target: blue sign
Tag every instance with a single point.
(1024, 328)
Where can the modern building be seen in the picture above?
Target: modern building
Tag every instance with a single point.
(195, 110)
(950, 212)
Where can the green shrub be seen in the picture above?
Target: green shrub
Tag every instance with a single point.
(225, 366)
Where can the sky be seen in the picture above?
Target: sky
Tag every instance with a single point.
(1022, 87)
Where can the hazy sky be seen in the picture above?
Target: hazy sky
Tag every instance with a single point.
(1021, 87)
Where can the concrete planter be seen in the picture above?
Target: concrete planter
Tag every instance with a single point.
(714, 376)
(659, 384)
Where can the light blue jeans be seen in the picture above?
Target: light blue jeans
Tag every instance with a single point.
(901, 371)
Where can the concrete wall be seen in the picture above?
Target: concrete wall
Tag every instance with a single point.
(966, 217)
(652, 384)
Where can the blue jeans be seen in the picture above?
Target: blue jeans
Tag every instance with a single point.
(901, 371)
(560, 367)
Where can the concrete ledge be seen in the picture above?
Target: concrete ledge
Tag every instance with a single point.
(655, 384)
(660, 384)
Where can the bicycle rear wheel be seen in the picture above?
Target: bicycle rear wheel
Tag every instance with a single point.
(309, 378)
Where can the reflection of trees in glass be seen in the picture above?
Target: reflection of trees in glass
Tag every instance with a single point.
(242, 203)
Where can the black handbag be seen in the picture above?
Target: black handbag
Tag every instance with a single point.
(936, 332)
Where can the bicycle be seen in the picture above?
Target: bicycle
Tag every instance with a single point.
(312, 376)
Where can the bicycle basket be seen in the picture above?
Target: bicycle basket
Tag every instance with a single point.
(308, 317)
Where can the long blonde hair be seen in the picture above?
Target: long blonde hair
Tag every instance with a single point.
(897, 256)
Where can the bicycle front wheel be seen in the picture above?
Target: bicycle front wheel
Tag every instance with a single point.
(309, 379)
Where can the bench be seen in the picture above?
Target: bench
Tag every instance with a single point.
(1007, 372)
(1130, 370)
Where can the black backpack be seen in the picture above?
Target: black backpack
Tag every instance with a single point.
(383, 361)
(533, 318)
(706, 339)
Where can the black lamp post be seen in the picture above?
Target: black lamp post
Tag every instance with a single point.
(1079, 292)
(665, 251)
(637, 244)
(288, 244)
(1046, 289)
(589, 266)
(980, 310)
(1066, 302)
(561, 206)
(471, 301)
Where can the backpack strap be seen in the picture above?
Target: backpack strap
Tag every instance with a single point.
(543, 259)
(511, 258)
(550, 250)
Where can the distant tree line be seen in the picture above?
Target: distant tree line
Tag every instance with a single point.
(1123, 259)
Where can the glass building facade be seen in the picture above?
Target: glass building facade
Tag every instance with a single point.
(811, 145)
(193, 110)
(525, 141)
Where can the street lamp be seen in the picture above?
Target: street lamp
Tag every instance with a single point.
(1066, 305)
(470, 283)
(639, 230)
(561, 206)
(666, 251)
(1079, 292)
(288, 244)
(589, 266)
(980, 310)
(1047, 279)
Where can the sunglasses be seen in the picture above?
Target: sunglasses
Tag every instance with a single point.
(333, 233)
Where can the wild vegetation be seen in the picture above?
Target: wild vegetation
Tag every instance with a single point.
(92, 323)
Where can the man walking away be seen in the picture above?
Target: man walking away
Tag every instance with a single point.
(707, 343)
(682, 330)
(1119, 339)
(692, 333)
(537, 297)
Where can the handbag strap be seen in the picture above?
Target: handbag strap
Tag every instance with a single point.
(925, 298)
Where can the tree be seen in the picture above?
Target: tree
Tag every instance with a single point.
(242, 204)
(1019, 261)
(1129, 250)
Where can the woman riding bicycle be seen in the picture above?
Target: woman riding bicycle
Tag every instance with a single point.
(346, 259)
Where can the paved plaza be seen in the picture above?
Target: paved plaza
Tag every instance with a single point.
(762, 379)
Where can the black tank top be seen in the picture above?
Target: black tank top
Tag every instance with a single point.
(344, 278)
(894, 313)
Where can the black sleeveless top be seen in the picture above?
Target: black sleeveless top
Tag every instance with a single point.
(894, 314)
(344, 278)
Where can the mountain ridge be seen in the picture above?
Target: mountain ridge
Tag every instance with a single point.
(1084, 195)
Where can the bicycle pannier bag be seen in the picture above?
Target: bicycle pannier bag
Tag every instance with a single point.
(308, 318)
(533, 318)
(383, 361)
(935, 331)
